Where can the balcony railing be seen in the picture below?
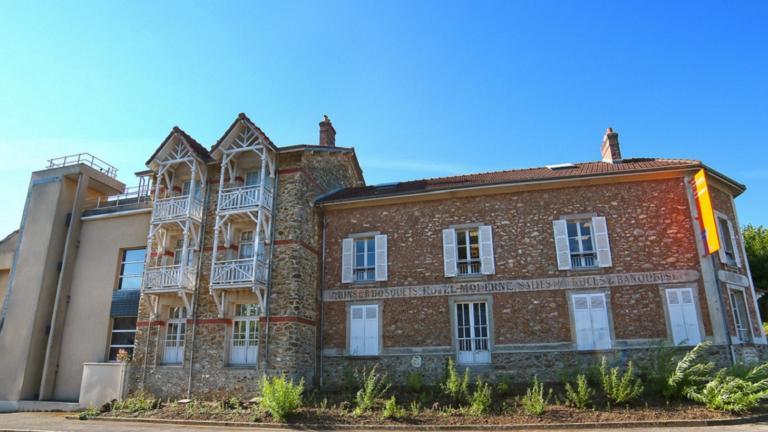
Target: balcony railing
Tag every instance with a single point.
(468, 267)
(237, 198)
(583, 261)
(176, 208)
(174, 276)
(85, 159)
(238, 271)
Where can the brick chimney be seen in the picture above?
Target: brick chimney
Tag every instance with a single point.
(610, 149)
(327, 133)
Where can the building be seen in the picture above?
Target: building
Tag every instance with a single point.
(247, 258)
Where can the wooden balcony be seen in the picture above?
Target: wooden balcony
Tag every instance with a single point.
(239, 272)
(244, 198)
(168, 278)
(174, 208)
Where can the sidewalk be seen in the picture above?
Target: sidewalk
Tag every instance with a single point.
(48, 422)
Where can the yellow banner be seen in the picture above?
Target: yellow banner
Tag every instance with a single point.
(706, 214)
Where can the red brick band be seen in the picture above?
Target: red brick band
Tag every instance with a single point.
(150, 323)
(288, 319)
(204, 321)
(306, 173)
(301, 243)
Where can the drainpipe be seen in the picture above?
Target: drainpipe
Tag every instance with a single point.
(197, 284)
(271, 264)
(322, 290)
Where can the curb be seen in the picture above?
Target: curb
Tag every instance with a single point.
(528, 426)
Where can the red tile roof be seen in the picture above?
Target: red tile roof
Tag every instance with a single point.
(582, 169)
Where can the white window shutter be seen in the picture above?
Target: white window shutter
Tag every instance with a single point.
(371, 330)
(356, 330)
(736, 255)
(381, 257)
(449, 252)
(600, 327)
(721, 251)
(582, 322)
(347, 257)
(600, 231)
(485, 236)
(561, 244)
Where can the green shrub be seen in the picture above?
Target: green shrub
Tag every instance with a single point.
(280, 397)
(455, 388)
(374, 386)
(137, 402)
(581, 396)
(392, 410)
(730, 393)
(414, 382)
(88, 413)
(534, 402)
(504, 386)
(619, 389)
(415, 408)
(689, 373)
(480, 401)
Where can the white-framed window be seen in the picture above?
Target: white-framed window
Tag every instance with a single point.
(683, 316)
(131, 269)
(186, 187)
(729, 252)
(175, 335)
(364, 330)
(468, 251)
(472, 333)
(590, 319)
(582, 243)
(252, 178)
(123, 336)
(178, 252)
(245, 248)
(740, 315)
(244, 348)
(364, 258)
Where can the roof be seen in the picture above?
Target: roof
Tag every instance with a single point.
(196, 147)
(242, 117)
(582, 169)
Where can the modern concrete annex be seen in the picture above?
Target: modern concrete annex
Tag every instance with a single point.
(246, 258)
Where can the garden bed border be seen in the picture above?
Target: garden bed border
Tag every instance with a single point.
(435, 427)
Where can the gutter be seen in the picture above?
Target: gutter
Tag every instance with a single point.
(271, 265)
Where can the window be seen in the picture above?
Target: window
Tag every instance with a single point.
(590, 316)
(468, 251)
(364, 330)
(582, 243)
(123, 336)
(472, 332)
(175, 334)
(729, 254)
(683, 316)
(179, 251)
(252, 178)
(740, 315)
(365, 259)
(245, 249)
(245, 335)
(186, 186)
(131, 269)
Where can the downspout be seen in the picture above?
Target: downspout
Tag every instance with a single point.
(197, 284)
(322, 290)
(275, 195)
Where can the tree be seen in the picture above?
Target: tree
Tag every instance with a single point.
(756, 243)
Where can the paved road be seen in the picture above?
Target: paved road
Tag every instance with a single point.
(50, 422)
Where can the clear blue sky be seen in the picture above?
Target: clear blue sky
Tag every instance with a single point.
(419, 88)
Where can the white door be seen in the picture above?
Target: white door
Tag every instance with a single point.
(175, 332)
(683, 317)
(472, 333)
(245, 335)
(590, 313)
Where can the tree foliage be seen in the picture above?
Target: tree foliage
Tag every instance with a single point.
(756, 243)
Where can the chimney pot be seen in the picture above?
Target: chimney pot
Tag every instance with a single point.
(327, 133)
(610, 149)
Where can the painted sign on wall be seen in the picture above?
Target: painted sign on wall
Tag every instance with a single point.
(706, 214)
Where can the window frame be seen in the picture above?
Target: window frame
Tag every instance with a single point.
(112, 331)
(121, 268)
(469, 263)
(368, 270)
(379, 330)
(746, 322)
(608, 310)
(581, 254)
(724, 225)
(246, 319)
(181, 334)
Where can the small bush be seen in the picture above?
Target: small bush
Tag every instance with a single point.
(280, 396)
(88, 413)
(581, 396)
(480, 401)
(504, 386)
(620, 389)
(414, 382)
(455, 388)
(374, 386)
(415, 409)
(392, 410)
(730, 393)
(137, 402)
(689, 373)
(534, 402)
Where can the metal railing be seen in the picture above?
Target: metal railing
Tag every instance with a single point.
(85, 159)
(176, 207)
(238, 271)
(365, 274)
(174, 276)
(583, 260)
(469, 267)
(131, 195)
(235, 198)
